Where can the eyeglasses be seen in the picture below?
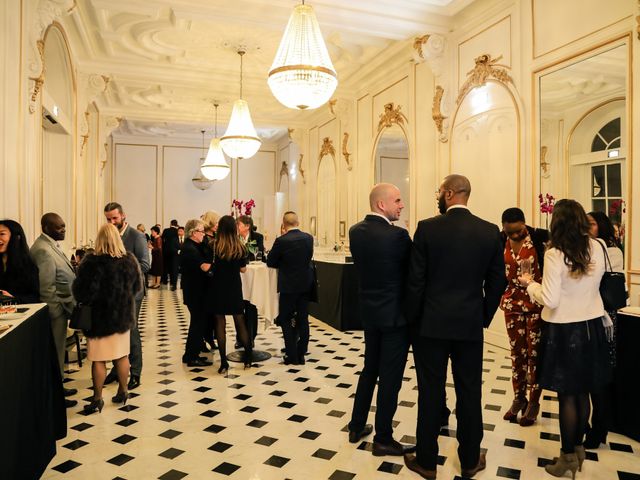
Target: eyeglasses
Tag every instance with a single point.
(199, 231)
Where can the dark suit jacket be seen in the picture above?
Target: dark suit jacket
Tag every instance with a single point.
(291, 255)
(381, 255)
(539, 237)
(456, 276)
(259, 239)
(170, 242)
(194, 280)
(135, 242)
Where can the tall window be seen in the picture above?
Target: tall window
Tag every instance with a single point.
(606, 178)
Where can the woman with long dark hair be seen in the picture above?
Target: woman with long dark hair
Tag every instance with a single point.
(18, 273)
(573, 345)
(230, 259)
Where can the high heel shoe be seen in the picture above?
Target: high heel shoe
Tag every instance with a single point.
(94, 405)
(530, 415)
(120, 397)
(224, 368)
(580, 453)
(519, 405)
(566, 461)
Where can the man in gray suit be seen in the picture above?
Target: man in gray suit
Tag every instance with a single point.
(56, 276)
(135, 243)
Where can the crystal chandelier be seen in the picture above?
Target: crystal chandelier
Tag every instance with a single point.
(200, 181)
(302, 75)
(241, 139)
(215, 167)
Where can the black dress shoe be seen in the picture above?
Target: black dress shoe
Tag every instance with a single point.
(186, 360)
(290, 361)
(111, 377)
(482, 464)
(70, 403)
(354, 437)
(134, 382)
(412, 464)
(69, 391)
(393, 448)
(199, 362)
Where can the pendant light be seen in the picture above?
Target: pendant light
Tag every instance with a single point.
(200, 181)
(302, 75)
(215, 167)
(241, 139)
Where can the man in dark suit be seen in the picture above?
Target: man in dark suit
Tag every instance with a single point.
(194, 267)
(456, 279)
(250, 236)
(381, 254)
(291, 255)
(170, 248)
(136, 243)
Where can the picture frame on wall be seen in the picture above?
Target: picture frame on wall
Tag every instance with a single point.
(343, 229)
(312, 226)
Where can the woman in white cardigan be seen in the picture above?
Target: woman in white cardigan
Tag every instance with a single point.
(574, 356)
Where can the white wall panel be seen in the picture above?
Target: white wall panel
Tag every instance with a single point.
(256, 179)
(135, 182)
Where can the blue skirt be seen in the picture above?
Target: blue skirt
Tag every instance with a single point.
(574, 357)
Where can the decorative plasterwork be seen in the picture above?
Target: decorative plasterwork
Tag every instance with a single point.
(304, 180)
(284, 170)
(437, 115)
(638, 22)
(85, 136)
(345, 153)
(107, 125)
(327, 148)
(544, 165)
(332, 103)
(47, 12)
(485, 68)
(91, 85)
(418, 42)
(392, 115)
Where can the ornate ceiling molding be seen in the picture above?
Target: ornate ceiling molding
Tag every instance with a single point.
(391, 116)
(485, 68)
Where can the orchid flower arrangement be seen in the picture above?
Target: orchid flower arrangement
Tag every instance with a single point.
(547, 201)
(237, 206)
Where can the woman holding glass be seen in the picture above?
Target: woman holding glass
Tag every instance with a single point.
(573, 347)
(108, 281)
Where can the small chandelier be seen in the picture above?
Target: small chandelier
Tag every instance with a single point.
(215, 167)
(241, 139)
(302, 75)
(200, 181)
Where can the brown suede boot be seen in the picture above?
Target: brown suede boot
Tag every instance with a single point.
(566, 461)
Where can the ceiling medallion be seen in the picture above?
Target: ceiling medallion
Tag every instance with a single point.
(302, 76)
(241, 139)
(215, 167)
(199, 180)
(485, 67)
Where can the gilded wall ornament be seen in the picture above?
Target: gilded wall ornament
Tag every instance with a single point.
(418, 42)
(327, 148)
(304, 180)
(345, 153)
(85, 136)
(544, 165)
(485, 68)
(332, 104)
(284, 169)
(392, 115)
(436, 113)
(39, 80)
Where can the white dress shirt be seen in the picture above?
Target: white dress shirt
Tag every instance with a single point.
(568, 299)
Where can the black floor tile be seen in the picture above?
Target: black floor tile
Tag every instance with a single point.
(120, 460)
(220, 447)
(226, 468)
(172, 475)
(388, 467)
(620, 447)
(170, 434)
(341, 475)
(266, 441)
(76, 444)
(124, 439)
(171, 453)
(324, 454)
(67, 466)
(276, 461)
(505, 472)
(309, 435)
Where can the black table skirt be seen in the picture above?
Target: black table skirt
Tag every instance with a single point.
(626, 415)
(337, 296)
(32, 411)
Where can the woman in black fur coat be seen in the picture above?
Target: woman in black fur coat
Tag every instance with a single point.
(108, 280)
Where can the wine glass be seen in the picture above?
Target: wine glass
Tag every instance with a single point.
(258, 256)
(525, 267)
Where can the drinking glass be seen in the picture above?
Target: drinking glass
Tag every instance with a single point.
(525, 267)
(258, 256)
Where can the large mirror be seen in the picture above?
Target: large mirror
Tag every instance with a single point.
(583, 131)
(327, 216)
(392, 165)
(485, 143)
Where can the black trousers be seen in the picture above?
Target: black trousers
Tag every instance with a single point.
(251, 317)
(385, 356)
(601, 411)
(135, 345)
(197, 328)
(296, 338)
(170, 264)
(431, 359)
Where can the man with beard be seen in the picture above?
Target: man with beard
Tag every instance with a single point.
(456, 279)
(135, 243)
(56, 275)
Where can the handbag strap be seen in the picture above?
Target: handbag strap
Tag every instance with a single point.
(606, 255)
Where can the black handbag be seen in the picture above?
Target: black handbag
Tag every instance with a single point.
(81, 317)
(612, 286)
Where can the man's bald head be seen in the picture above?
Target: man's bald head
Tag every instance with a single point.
(385, 199)
(53, 225)
(290, 220)
(454, 190)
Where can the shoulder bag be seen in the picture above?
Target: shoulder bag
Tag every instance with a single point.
(612, 286)
(81, 317)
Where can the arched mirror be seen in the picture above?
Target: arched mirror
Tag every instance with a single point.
(327, 213)
(485, 144)
(391, 157)
(583, 132)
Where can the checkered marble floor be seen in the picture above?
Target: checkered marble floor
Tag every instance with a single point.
(279, 422)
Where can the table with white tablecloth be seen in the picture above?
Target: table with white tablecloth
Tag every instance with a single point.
(260, 287)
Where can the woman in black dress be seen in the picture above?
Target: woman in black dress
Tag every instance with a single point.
(230, 259)
(18, 273)
(156, 257)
